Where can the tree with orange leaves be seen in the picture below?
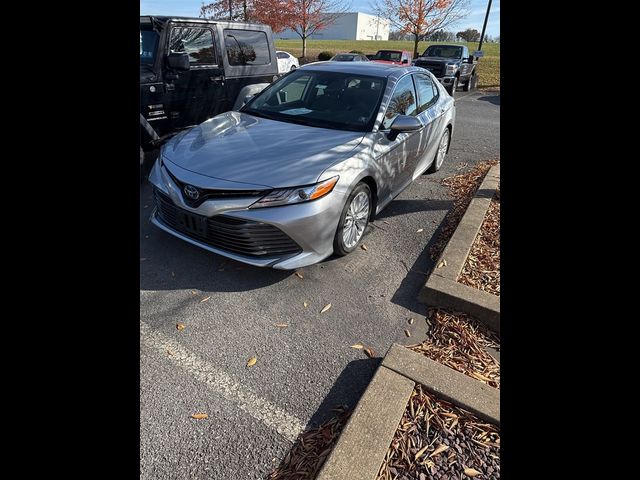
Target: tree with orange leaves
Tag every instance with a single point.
(421, 17)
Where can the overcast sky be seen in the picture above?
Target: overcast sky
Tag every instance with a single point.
(191, 8)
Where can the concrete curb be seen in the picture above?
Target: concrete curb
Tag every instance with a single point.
(442, 288)
(365, 440)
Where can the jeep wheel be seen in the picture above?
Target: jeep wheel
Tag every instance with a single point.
(454, 86)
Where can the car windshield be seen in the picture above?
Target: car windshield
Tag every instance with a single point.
(342, 101)
(343, 58)
(443, 51)
(148, 45)
(388, 55)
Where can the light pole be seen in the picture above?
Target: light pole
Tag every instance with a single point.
(484, 25)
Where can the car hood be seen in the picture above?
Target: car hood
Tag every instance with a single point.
(241, 148)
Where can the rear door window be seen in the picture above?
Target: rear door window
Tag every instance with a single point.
(425, 89)
(247, 47)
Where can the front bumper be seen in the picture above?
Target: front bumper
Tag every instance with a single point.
(311, 225)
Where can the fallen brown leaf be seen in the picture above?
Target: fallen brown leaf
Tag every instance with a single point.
(169, 353)
(358, 345)
(200, 416)
(419, 230)
(305, 304)
(299, 275)
(193, 292)
(421, 452)
(205, 299)
(411, 321)
(281, 325)
(441, 448)
(180, 326)
(326, 307)
(251, 362)
(443, 263)
(364, 247)
(471, 472)
(370, 352)
(407, 333)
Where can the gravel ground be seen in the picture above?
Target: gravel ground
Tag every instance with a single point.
(437, 440)
(482, 267)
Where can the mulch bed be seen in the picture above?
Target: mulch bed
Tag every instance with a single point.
(458, 341)
(462, 188)
(308, 454)
(437, 440)
(482, 267)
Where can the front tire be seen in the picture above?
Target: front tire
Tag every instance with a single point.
(471, 83)
(443, 146)
(353, 220)
(454, 87)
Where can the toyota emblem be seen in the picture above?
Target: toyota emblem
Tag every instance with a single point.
(191, 192)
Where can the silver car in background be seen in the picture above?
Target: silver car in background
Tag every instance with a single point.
(297, 174)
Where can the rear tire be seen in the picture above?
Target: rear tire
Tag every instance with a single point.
(443, 146)
(353, 220)
(471, 83)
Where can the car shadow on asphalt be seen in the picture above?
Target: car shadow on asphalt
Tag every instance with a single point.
(346, 390)
(493, 99)
(407, 293)
(401, 207)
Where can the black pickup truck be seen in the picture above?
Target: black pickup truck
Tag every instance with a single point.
(452, 65)
(192, 69)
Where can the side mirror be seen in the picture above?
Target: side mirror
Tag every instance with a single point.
(403, 123)
(178, 61)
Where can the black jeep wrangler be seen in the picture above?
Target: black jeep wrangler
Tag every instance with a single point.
(192, 69)
(452, 65)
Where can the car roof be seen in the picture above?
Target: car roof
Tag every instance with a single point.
(363, 68)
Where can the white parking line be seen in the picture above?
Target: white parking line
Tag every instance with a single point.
(271, 415)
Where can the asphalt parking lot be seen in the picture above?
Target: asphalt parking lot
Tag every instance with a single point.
(302, 371)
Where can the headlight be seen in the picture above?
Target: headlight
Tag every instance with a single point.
(451, 69)
(288, 196)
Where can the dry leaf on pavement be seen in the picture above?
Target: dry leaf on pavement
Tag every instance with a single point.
(305, 304)
(205, 299)
(200, 416)
(411, 321)
(370, 352)
(443, 263)
(419, 230)
(281, 325)
(251, 362)
(407, 333)
(180, 326)
(326, 307)
(358, 345)
(471, 472)
(299, 275)
(364, 247)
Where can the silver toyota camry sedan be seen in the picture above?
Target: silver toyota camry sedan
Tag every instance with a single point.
(298, 173)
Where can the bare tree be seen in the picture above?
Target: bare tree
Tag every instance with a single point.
(421, 18)
(306, 17)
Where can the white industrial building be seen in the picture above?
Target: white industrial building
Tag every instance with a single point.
(348, 26)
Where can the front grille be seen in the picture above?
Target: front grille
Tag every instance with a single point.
(209, 194)
(235, 235)
(436, 68)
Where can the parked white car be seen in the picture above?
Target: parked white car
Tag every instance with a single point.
(286, 61)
